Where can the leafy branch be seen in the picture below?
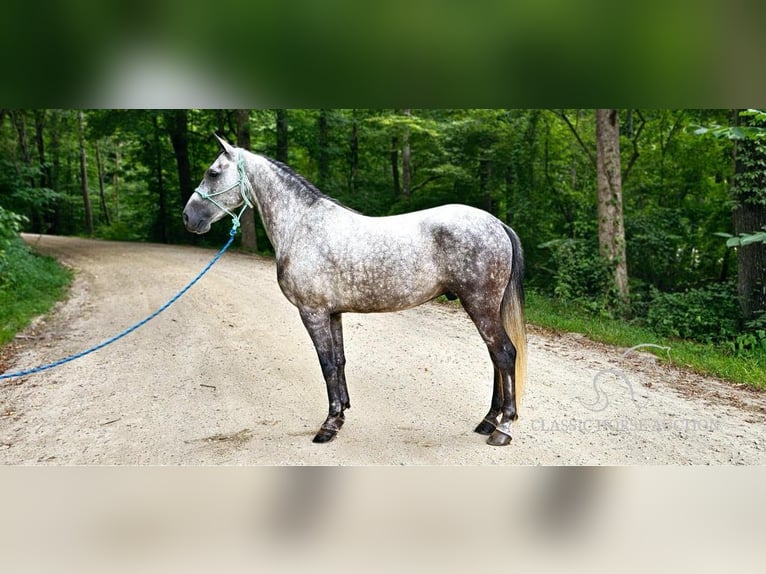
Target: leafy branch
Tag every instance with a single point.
(743, 239)
(734, 132)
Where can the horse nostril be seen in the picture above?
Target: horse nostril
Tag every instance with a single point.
(186, 218)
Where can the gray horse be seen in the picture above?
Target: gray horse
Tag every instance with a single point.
(332, 260)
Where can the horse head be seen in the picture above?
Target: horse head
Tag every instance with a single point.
(223, 189)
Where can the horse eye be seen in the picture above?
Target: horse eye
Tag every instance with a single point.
(212, 172)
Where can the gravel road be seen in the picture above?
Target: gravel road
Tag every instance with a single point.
(228, 376)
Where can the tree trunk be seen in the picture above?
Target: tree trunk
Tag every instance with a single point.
(395, 165)
(19, 120)
(354, 155)
(101, 194)
(485, 172)
(282, 148)
(161, 199)
(178, 129)
(750, 217)
(406, 174)
(249, 238)
(323, 155)
(116, 181)
(45, 169)
(84, 174)
(611, 230)
(54, 149)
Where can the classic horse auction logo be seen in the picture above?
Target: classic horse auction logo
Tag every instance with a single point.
(604, 377)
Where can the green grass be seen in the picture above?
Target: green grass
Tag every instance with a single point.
(29, 286)
(709, 359)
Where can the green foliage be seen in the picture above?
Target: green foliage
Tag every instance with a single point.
(21, 198)
(29, 286)
(735, 132)
(747, 366)
(10, 224)
(119, 231)
(743, 238)
(580, 274)
(708, 314)
(752, 339)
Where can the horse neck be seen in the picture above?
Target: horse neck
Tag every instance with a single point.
(279, 206)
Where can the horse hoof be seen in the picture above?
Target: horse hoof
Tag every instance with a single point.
(498, 438)
(485, 427)
(324, 435)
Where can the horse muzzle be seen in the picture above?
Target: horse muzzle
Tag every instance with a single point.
(195, 221)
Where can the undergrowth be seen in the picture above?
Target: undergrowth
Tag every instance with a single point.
(737, 361)
(30, 285)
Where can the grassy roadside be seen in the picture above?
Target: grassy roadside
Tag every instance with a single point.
(30, 285)
(709, 359)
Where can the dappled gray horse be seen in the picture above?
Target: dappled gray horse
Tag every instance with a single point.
(332, 260)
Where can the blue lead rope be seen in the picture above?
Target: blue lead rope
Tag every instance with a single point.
(11, 375)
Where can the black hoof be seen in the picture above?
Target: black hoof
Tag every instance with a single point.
(485, 427)
(324, 435)
(499, 438)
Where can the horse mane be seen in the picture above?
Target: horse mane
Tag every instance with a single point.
(312, 193)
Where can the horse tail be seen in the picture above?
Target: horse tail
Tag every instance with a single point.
(512, 312)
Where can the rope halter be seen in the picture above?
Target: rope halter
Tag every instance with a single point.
(245, 191)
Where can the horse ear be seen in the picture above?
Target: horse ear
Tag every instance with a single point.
(225, 146)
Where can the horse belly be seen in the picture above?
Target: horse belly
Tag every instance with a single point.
(377, 277)
(386, 286)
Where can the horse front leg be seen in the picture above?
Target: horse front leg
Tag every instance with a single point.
(318, 324)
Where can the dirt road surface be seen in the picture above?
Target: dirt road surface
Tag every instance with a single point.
(228, 376)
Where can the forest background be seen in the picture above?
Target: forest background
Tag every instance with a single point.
(650, 219)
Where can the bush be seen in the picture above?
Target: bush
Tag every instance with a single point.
(10, 224)
(753, 337)
(119, 231)
(708, 314)
(581, 275)
(29, 286)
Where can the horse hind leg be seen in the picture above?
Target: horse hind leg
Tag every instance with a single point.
(489, 423)
(503, 355)
(502, 436)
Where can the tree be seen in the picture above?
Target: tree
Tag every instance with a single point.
(45, 171)
(178, 129)
(609, 208)
(159, 181)
(353, 155)
(394, 157)
(611, 229)
(102, 196)
(323, 151)
(406, 158)
(19, 121)
(749, 192)
(282, 149)
(249, 240)
(84, 174)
